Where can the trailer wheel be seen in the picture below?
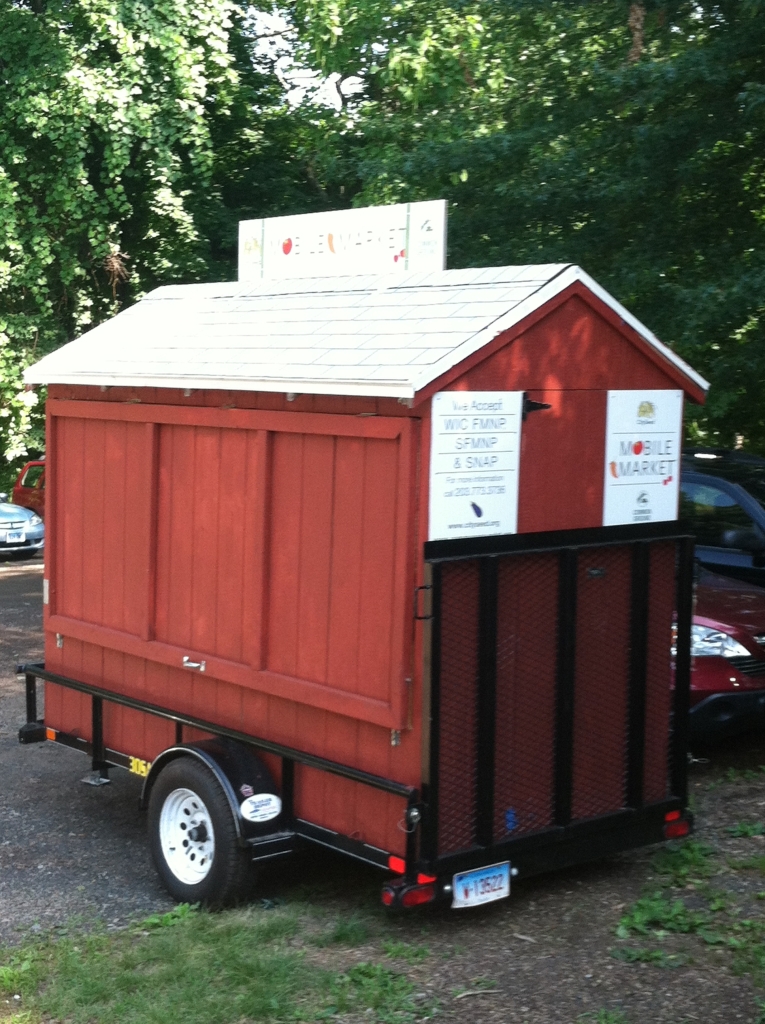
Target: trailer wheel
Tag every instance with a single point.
(193, 837)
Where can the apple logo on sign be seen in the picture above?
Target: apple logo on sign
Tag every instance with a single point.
(287, 246)
(637, 447)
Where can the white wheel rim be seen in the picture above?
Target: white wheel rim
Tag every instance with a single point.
(186, 836)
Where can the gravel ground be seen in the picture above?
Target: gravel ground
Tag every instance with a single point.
(73, 853)
(66, 850)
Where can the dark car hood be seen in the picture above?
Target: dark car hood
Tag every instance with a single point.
(730, 602)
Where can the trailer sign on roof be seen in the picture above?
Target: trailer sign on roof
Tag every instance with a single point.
(475, 444)
(642, 470)
(372, 240)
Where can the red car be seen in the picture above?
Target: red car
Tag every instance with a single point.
(727, 658)
(29, 489)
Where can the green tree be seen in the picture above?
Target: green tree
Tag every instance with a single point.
(133, 135)
(627, 137)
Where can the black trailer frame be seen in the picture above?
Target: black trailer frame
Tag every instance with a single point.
(563, 844)
(567, 842)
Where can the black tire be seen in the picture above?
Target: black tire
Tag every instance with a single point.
(191, 869)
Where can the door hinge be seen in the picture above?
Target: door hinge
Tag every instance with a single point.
(417, 616)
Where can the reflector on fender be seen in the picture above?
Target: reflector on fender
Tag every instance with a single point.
(397, 864)
(672, 815)
(388, 896)
(426, 879)
(50, 734)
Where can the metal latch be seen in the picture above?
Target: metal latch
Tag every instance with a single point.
(529, 405)
(417, 616)
(197, 666)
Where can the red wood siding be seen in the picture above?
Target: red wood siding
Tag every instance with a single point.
(279, 548)
(569, 357)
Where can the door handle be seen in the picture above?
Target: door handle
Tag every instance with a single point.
(197, 666)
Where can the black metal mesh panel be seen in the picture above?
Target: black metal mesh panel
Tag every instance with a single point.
(458, 705)
(658, 697)
(527, 643)
(602, 681)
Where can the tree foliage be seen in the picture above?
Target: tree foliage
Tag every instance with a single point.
(132, 135)
(628, 138)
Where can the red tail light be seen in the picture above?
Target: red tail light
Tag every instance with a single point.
(418, 895)
(397, 864)
(388, 896)
(676, 829)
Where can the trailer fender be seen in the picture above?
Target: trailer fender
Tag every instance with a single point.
(248, 785)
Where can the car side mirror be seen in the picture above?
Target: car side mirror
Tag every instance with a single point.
(749, 538)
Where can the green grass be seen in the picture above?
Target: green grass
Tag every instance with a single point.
(201, 968)
(746, 830)
(657, 914)
(659, 957)
(405, 951)
(353, 931)
(684, 862)
(748, 864)
(602, 1017)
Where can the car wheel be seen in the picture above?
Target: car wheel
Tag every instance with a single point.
(193, 837)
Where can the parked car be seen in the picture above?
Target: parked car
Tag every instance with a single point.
(722, 497)
(29, 489)
(22, 531)
(727, 659)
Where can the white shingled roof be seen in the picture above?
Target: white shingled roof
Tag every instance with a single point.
(376, 336)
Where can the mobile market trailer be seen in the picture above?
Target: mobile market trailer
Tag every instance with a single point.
(388, 564)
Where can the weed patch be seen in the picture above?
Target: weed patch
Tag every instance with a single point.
(372, 987)
(656, 914)
(684, 862)
(748, 864)
(746, 830)
(351, 932)
(602, 1017)
(659, 957)
(405, 951)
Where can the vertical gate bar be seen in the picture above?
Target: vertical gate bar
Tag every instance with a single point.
(412, 829)
(487, 701)
(178, 733)
(98, 764)
(566, 670)
(31, 694)
(684, 604)
(638, 669)
(429, 845)
(288, 790)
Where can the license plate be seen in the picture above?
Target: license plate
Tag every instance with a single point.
(15, 537)
(473, 888)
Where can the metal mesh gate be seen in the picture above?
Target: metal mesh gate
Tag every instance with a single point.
(551, 689)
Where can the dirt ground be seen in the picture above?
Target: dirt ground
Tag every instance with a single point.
(73, 854)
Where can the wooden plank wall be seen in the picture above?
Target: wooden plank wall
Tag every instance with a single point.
(283, 558)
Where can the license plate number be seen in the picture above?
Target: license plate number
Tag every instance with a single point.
(484, 885)
(15, 537)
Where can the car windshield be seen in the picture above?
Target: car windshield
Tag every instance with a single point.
(749, 475)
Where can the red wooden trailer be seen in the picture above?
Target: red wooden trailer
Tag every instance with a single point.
(265, 592)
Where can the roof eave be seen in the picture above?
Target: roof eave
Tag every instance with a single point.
(342, 388)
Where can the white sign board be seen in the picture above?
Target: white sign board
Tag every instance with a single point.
(474, 455)
(372, 240)
(642, 470)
